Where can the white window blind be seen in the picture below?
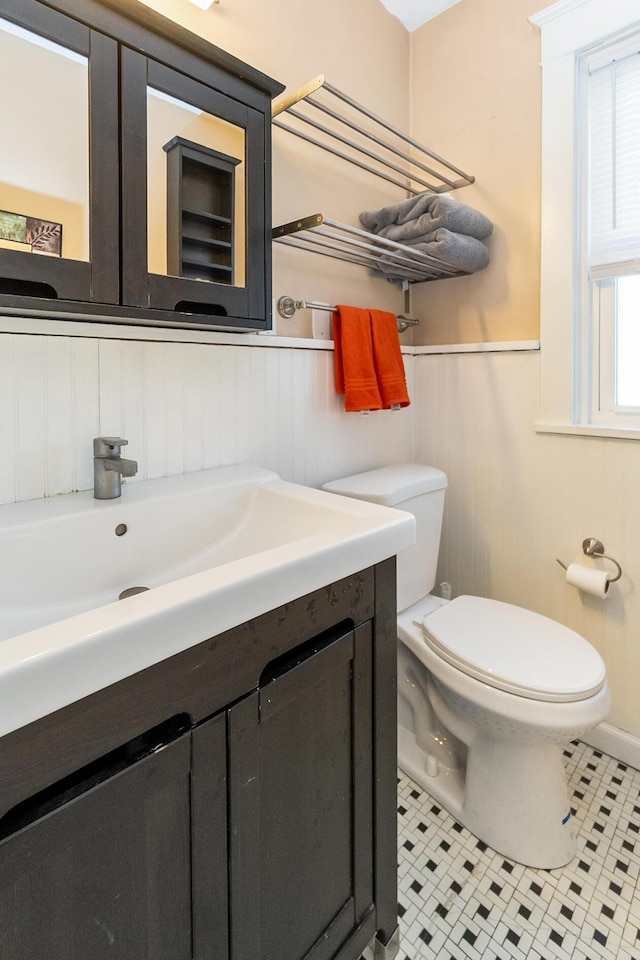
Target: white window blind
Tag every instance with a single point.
(614, 161)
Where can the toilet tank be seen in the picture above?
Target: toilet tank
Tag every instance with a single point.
(419, 490)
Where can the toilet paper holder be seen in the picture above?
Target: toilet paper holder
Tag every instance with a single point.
(594, 548)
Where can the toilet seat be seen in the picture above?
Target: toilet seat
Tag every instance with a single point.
(514, 650)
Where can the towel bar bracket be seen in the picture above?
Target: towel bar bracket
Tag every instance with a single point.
(295, 226)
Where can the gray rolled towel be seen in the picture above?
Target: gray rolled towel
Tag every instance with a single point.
(456, 249)
(424, 214)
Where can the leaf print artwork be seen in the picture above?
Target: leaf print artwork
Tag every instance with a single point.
(44, 236)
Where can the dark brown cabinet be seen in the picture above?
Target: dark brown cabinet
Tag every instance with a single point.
(200, 208)
(234, 802)
(300, 777)
(143, 238)
(107, 871)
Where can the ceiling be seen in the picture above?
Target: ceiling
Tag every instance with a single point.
(413, 13)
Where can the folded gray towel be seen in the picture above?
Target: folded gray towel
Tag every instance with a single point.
(456, 249)
(424, 214)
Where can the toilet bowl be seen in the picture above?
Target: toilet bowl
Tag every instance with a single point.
(488, 692)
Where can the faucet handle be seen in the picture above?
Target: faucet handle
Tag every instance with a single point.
(105, 446)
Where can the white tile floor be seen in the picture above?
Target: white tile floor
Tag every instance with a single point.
(459, 900)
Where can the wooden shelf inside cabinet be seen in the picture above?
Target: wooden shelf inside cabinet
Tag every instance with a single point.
(200, 207)
(395, 261)
(202, 217)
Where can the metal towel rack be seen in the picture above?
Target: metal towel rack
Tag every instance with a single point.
(344, 111)
(287, 307)
(397, 261)
(396, 157)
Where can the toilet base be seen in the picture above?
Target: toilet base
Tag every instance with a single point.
(446, 786)
(511, 796)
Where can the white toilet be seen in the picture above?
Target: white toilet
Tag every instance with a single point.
(488, 692)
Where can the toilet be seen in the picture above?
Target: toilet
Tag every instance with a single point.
(488, 692)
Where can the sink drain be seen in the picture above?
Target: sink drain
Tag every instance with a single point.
(131, 592)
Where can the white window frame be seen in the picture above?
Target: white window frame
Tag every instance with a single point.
(568, 334)
(599, 396)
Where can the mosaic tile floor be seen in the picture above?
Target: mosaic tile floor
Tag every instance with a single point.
(459, 900)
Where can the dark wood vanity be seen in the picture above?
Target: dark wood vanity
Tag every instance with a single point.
(236, 801)
(126, 82)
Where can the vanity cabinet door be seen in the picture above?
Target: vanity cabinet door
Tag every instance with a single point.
(59, 180)
(106, 874)
(301, 804)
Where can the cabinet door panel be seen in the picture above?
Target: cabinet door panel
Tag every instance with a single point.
(108, 873)
(59, 199)
(293, 777)
(222, 269)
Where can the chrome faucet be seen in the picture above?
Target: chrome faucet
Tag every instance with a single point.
(109, 467)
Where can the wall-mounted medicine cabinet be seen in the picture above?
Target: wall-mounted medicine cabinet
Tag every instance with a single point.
(144, 196)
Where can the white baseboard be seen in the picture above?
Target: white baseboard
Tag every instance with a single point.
(617, 743)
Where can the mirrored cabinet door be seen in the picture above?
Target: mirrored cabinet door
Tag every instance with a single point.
(59, 202)
(193, 181)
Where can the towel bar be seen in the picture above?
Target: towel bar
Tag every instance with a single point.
(287, 307)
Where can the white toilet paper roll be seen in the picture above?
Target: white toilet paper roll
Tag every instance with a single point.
(588, 579)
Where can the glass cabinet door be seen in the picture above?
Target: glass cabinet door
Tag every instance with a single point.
(192, 163)
(59, 206)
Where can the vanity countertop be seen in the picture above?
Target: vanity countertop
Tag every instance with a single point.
(215, 548)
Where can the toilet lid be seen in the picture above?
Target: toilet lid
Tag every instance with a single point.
(514, 649)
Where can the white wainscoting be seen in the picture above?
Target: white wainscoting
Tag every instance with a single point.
(517, 500)
(183, 407)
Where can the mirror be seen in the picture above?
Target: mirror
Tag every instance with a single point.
(44, 117)
(196, 193)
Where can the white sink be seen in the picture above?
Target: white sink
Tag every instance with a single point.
(215, 548)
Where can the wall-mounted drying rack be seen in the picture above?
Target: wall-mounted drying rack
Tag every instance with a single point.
(319, 234)
(287, 308)
(416, 160)
(397, 158)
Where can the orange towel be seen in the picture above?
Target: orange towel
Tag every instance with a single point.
(387, 359)
(355, 372)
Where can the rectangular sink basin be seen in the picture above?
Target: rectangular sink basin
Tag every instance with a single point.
(213, 549)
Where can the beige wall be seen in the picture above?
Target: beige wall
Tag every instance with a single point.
(361, 49)
(475, 81)
(517, 500)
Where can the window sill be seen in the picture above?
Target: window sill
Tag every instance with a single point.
(588, 430)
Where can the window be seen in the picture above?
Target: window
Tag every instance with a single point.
(590, 287)
(609, 149)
